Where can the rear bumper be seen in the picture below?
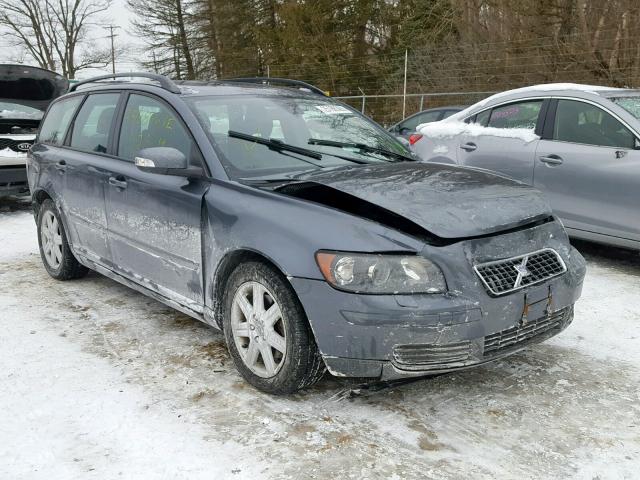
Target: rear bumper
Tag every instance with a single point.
(13, 180)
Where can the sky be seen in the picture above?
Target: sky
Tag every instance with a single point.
(118, 15)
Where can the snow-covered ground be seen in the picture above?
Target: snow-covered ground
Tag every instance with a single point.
(98, 381)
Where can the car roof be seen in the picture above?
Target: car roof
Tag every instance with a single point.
(236, 86)
(546, 90)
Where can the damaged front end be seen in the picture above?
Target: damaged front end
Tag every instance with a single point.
(391, 336)
(512, 277)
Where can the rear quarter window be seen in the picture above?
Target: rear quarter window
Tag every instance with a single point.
(56, 122)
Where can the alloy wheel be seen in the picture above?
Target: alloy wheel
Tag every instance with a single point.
(258, 329)
(51, 237)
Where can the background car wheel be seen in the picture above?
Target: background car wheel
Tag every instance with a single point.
(267, 331)
(54, 248)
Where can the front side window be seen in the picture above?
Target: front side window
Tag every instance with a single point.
(54, 126)
(483, 118)
(580, 122)
(630, 104)
(516, 115)
(150, 123)
(92, 126)
(307, 123)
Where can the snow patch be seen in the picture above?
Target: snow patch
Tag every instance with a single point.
(450, 129)
(441, 149)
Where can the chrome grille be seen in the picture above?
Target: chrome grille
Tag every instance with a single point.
(505, 276)
(505, 339)
(422, 356)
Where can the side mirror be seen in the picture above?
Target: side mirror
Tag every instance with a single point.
(405, 131)
(162, 160)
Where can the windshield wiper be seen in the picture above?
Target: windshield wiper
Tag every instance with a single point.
(359, 146)
(276, 145)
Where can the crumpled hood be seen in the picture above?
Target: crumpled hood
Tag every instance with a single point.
(448, 201)
(30, 86)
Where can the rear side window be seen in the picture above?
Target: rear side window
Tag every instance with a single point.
(150, 123)
(54, 126)
(92, 126)
(580, 122)
(516, 115)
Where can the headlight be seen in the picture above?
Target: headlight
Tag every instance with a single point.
(371, 273)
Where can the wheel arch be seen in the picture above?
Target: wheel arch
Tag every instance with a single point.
(227, 264)
(38, 198)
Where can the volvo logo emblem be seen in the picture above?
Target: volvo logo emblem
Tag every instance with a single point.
(23, 147)
(522, 270)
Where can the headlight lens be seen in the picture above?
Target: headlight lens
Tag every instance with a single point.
(382, 274)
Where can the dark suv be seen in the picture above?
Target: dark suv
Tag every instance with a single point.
(300, 228)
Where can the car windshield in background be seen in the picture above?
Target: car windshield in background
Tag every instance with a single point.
(630, 104)
(340, 135)
(14, 110)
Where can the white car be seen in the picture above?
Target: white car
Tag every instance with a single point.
(578, 144)
(25, 93)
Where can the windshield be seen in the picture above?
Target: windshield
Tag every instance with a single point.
(630, 104)
(296, 122)
(16, 111)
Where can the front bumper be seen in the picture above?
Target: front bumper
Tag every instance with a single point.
(13, 180)
(392, 336)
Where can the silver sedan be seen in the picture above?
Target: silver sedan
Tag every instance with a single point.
(579, 144)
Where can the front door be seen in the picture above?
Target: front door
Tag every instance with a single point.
(589, 170)
(154, 221)
(510, 148)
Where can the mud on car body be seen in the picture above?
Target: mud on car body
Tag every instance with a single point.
(25, 93)
(303, 230)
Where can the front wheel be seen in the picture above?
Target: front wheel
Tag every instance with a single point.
(55, 252)
(267, 332)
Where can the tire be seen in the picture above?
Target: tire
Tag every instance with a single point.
(55, 252)
(301, 364)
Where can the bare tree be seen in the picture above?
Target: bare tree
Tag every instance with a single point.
(166, 27)
(54, 32)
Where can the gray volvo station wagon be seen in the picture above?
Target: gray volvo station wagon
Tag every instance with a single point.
(302, 229)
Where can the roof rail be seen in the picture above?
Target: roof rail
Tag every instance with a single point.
(287, 82)
(164, 82)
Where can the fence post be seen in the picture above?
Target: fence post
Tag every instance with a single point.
(421, 103)
(364, 98)
(404, 88)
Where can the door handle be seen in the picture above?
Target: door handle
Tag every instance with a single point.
(469, 147)
(115, 182)
(551, 160)
(61, 166)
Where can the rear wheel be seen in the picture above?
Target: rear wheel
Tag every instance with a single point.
(267, 331)
(55, 252)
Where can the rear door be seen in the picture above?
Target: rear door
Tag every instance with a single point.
(84, 164)
(588, 166)
(506, 151)
(155, 220)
